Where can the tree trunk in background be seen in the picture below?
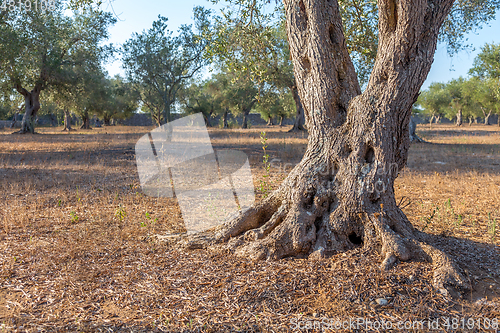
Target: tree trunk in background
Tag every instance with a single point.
(270, 121)
(298, 125)
(207, 119)
(244, 124)
(246, 112)
(67, 121)
(341, 195)
(14, 119)
(167, 117)
(412, 128)
(487, 118)
(459, 117)
(431, 121)
(471, 120)
(224, 119)
(107, 121)
(282, 119)
(31, 107)
(53, 120)
(85, 120)
(438, 119)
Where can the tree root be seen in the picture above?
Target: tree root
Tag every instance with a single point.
(275, 229)
(315, 214)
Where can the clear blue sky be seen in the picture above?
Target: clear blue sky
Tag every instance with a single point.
(137, 16)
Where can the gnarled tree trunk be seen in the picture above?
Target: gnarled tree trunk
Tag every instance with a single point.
(298, 125)
(31, 107)
(341, 195)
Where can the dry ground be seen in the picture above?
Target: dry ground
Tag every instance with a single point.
(79, 252)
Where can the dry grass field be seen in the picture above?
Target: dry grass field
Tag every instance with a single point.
(79, 249)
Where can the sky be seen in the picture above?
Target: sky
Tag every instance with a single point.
(136, 16)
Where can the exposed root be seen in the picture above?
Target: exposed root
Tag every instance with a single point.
(311, 216)
(446, 272)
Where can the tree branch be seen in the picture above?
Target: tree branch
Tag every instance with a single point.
(323, 69)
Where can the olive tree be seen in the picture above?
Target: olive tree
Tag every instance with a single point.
(158, 63)
(341, 194)
(38, 48)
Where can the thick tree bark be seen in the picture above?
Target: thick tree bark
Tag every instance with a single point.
(341, 195)
(298, 125)
(459, 117)
(31, 107)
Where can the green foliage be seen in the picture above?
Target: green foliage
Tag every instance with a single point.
(200, 98)
(435, 100)
(245, 36)
(487, 62)
(158, 63)
(74, 217)
(43, 49)
(276, 104)
(120, 99)
(120, 212)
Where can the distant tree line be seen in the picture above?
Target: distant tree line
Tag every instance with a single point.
(467, 99)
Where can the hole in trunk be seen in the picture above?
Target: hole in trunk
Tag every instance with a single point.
(302, 7)
(355, 239)
(347, 150)
(333, 172)
(331, 32)
(318, 222)
(306, 63)
(370, 155)
(309, 201)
